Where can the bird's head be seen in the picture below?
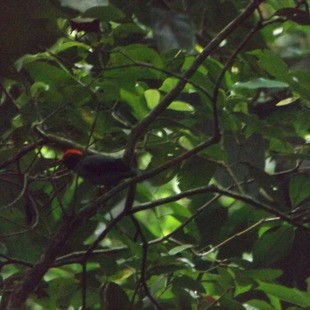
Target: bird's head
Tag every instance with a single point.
(71, 158)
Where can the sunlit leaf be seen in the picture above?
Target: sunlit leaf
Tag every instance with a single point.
(260, 83)
(291, 295)
(152, 97)
(180, 248)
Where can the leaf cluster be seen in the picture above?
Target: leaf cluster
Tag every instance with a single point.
(209, 101)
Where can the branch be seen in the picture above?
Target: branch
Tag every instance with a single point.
(34, 275)
(22, 152)
(225, 192)
(13, 261)
(162, 201)
(48, 137)
(77, 257)
(262, 206)
(64, 142)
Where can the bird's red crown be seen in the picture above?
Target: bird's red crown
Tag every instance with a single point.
(72, 151)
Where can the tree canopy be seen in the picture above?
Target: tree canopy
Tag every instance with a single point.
(208, 101)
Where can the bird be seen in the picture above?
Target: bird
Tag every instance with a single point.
(98, 169)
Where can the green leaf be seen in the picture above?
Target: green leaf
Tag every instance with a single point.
(135, 53)
(180, 106)
(48, 74)
(152, 97)
(170, 82)
(230, 303)
(257, 304)
(272, 63)
(299, 189)
(135, 101)
(105, 13)
(263, 274)
(273, 246)
(291, 295)
(260, 83)
(179, 249)
(65, 45)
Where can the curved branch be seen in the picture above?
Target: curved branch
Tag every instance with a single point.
(225, 192)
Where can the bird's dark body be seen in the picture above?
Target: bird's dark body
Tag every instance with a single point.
(99, 169)
(103, 169)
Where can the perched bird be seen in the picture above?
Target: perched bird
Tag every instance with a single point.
(97, 169)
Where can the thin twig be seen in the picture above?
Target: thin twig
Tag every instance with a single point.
(84, 285)
(185, 223)
(13, 261)
(8, 95)
(235, 236)
(262, 206)
(143, 264)
(102, 235)
(76, 257)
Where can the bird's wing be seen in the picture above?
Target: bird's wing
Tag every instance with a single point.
(99, 165)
